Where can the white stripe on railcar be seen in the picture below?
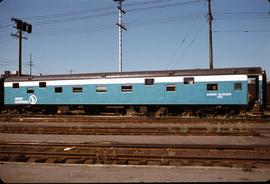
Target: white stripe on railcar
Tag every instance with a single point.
(220, 78)
(174, 79)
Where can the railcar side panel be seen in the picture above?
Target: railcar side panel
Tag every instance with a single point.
(1, 93)
(168, 91)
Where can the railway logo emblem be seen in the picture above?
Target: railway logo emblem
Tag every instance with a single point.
(32, 99)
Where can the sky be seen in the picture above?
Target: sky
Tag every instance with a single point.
(81, 36)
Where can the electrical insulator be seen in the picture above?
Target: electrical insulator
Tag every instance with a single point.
(19, 24)
(29, 28)
(24, 27)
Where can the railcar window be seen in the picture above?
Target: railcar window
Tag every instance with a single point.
(149, 81)
(58, 90)
(100, 89)
(42, 84)
(15, 85)
(238, 86)
(30, 90)
(189, 80)
(212, 87)
(170, 87)
(126, 88)
(77, 89)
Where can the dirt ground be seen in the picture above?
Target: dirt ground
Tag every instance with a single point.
(144, 139)
(75, 173)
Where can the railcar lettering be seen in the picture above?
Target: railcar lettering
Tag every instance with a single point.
(211, 94)
(219, 95)
(19, 100)
(225, 94)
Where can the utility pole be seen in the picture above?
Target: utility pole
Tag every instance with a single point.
(210, 19)
(21, 26)
(120, 29)
(20, 52)
(30, 65)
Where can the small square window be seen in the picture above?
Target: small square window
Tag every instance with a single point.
(189, 80)
(238, 86)
(100, 89)
(126, 88)
(149, 82)
(42, 84)
(30, 90)
(212, 87)
(15, 85)
(58, 90)
(170, 87)
(77, 89)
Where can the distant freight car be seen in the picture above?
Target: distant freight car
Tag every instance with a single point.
(199, 91)
(268, 94)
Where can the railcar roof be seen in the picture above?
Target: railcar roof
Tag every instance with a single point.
(164, 73)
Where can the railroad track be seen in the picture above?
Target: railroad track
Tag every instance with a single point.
(123, 119)
(107, 129)
(137, 154)
(86, 125)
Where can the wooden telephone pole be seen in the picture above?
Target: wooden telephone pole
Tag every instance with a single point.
(210, 19)
(21, 27)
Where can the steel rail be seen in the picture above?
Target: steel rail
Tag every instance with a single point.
(121, 153)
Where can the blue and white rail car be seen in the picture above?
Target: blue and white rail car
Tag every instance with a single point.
(174, 87)
(1, 93)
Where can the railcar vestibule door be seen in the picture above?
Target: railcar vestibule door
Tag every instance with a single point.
(253, 90)
(257, 90)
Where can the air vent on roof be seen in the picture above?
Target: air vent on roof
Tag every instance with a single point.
(252, 70)
(171, 73)
(235, 71)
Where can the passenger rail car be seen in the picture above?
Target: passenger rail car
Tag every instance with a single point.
(171, 91)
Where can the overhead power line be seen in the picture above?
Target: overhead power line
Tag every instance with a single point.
(5, 26)
(68, 14)
(242, 31)
(133, 24)
(188, 44)
(167, 5)
(89, 11)
(131, 7)
(181, 49)
(7, 61)
(104, 11)
(240, 13)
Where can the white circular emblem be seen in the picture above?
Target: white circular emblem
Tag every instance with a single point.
(32, 99)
